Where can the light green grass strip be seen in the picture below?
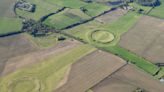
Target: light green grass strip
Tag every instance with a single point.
(131, 57)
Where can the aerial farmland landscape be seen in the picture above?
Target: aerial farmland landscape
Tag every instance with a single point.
(81, 45)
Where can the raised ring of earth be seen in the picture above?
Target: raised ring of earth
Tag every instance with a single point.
(30, 85)
(101, 36)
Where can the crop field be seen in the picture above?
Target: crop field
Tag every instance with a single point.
(81, 46)
(18, 62)
(158, 11)
(111, 16)
(66, 18)
(6, 8)
(84, 31)
(146, 39)
(42, 8)
(14, 46)
(39, 77)
(89, 70)
(133, 58)
(128, 79)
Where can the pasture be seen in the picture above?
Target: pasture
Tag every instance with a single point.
(158, 11)
(40, 75)
(9, 25)
(137, 7)
(49, 41)
(128, 79)
(66, 18)
(94, 9)
(84, 31)
(42, 8)
(90, 70)
(68, 3)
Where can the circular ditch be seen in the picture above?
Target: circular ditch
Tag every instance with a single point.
(25, 84)
(101, 36)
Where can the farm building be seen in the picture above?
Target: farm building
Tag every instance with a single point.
(25, 6)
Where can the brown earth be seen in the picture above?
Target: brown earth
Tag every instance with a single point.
(146, 39)
(13, 46)
(90, 70)
(34, 57)
(128, 79)
(111, 16)
(6, 8)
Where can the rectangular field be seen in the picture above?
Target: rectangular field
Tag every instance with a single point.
(9, 25)
(66, 18)
(128, 79)
(90, 70)
(146, 39)
(6, 8)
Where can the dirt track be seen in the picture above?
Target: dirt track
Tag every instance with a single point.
(146, 39)
(90, 70)
(34, 57)
(128, 79)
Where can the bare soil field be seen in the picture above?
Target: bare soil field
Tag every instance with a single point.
(146, 39)
(34, 57)
(13, 46)
(128, 79)
(90, 70)
(111, 16)
(6, 8)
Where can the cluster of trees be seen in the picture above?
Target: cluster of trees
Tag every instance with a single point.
(140, 90)
(36, 28)
(147, 2)
(141, 2)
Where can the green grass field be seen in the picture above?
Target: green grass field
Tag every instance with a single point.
(66, 18)
(8, 25)
(44, 76)
(124, 23)
(95, 9)
(68, 3)
(102, 36)
(46, 41)
(158, 11)
(42, 8)
(161, 73)
(137, 7)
